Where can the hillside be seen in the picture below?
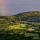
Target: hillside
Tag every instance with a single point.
(25, 16)
(31, 18)
(24, 25)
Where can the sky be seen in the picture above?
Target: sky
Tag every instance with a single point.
(4, 8)
(12, 7)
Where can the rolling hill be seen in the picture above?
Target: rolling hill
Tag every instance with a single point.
(31, 18)
(23, 26)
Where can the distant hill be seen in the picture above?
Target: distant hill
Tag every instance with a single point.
(30, 13)
(31, 19)
(32, 16)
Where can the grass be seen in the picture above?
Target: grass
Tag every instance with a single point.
(19, 31)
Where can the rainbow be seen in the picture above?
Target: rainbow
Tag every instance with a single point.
(4, 7)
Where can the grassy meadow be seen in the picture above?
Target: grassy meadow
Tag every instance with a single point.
(23, 26)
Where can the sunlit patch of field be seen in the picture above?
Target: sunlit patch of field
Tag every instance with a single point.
(18, 26)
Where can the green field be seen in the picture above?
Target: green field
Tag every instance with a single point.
(21, 26)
